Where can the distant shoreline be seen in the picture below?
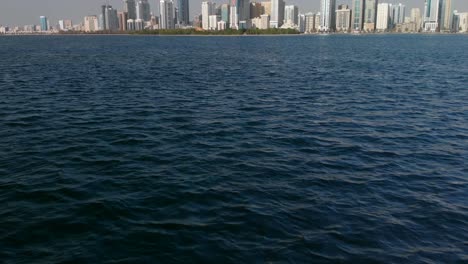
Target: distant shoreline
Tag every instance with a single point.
(243, 35)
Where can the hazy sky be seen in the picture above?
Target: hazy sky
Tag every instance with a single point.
(22, 12)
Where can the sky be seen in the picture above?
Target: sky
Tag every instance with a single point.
(25, 12)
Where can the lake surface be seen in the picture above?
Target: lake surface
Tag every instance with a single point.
(318, 149)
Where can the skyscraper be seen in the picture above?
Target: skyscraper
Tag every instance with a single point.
(431, 15)
(130, 8)
(208, 9)
(357, 20)
(44, 23)
(328, 13)
(166, 9)
(370, 15)
(416, 17)
(143, 10)
(225, 13)
(123, 17)
(108, 19)
(399, 13)
(234, 18)
(184, 12)
(277, 13)
(446, 15)
(91, 24)
(383, 17)
(291, 15)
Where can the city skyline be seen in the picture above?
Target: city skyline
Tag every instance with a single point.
(23, 12)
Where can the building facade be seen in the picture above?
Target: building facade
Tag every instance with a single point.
(166, 16)
(416, 17)
(357, 20)
(183, 12)
(327, 12)
(123, 17)
(277, 13)
(291, 15)
(446, 16)
(431, 15)
(383, 17)
(130, 8)
(91, 24)
(208, 9)
(343, 18)
(44, 23)
(370, 15)
(399, 14)
(143, 9)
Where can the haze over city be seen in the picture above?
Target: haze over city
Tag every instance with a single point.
(18, 12)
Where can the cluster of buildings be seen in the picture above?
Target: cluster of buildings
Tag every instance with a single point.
(136, 15)
(362, 16)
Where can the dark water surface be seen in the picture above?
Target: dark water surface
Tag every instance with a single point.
(118, 149)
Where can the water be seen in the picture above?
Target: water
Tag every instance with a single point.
(117, 149)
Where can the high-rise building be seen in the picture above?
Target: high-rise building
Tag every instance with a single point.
(208, 9)
(213, 22)
(277, 13)
(143, 10)
(265, 21)
(234, 18)
(383, 17)
(130, 8)
(91, 24)
(416, 18)
(357, 20)
(291, 15)
(44, 23)
(431, 15)
(446, 16)
(309, 23)
(343, 18)
(327, 12)
(131, 25)
(139, 24)
(65, 24)
(225, 8)
(166, 16)
(255, 10)
(266, 8)
(184, 12)
(242, 9)
(370, 15)
(463, 22)
(399, 13)
(108, 19)
(123, 17)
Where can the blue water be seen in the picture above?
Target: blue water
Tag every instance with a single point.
(127, 149)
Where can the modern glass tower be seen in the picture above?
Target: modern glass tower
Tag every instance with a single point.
(143, 10)
(183, 12)
(44, 23)
(431, 15)
(370, 15)
(446, 15)
(328, 15)
(130, 8)
(357, 20)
